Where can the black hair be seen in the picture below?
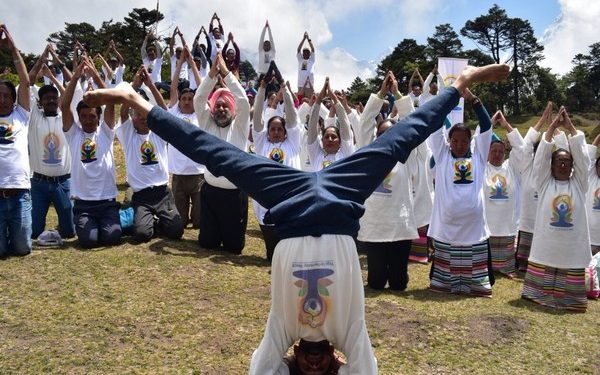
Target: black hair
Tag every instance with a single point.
(143, 94)
(459, 127)
(185, 90)
(82, 105)
(47, 89)
(498, 141)
(11, 88)
(597, 161)
(557, 151)
(337, 130)
(381, 122)
(280, 119)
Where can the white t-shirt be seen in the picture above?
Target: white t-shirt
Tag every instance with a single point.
(593, 198)
(389, 214)
(423, 191)
(502, 190)
(265, 57)
(306, 69)
(92, 163)
(286, 153)
(14, 160)
(319, 159)
(178, 162)
(216, 46)
(154, 68)
(48, 149)
(561, 237)
(529, 194)
(458, 216)
(117, 76)
(183, 73)
(145, 156)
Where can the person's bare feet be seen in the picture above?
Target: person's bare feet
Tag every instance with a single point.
(487, 73)
(122, 93)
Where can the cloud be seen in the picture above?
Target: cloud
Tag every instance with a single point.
(244, 18)
(571, 33)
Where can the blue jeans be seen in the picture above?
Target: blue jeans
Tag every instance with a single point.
(58, 193)
(308, 203)
(15, 224)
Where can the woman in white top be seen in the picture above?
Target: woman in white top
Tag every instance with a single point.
(593, 198)
(337, 143)
(280, 142)
(461, 262)
(529, 195)
(560, 249)
(502, 192)
(388, 225)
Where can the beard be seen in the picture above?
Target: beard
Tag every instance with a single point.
(223, 120)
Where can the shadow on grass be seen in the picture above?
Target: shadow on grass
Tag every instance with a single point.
(254, 233)
(190, 248)
(417, 294)
(534, 307)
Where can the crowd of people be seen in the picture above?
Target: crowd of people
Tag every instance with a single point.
(326, 177)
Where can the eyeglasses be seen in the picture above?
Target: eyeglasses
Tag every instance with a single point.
(563, 162)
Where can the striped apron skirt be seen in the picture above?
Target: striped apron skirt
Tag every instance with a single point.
(503, 254)
(559, 288)
(419, 249)
(462, 269)
(523, 249)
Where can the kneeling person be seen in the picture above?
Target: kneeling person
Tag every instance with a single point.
(146, 159)
(93, 183)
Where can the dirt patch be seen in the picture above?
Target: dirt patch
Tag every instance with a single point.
(394, 321)
(496, 329)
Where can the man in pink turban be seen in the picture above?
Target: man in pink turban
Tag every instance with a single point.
(225, 114)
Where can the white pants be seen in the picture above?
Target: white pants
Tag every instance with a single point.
(317, 294)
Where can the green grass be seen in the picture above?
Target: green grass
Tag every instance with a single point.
(169, 307)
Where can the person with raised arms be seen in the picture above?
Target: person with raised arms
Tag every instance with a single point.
(317, 290)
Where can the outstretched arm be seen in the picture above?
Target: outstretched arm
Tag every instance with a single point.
(304, 37)
(313, 121)
(35, 70)
(48, 73)
(67, 98)
(23, 91)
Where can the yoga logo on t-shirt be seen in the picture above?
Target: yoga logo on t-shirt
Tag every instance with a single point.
(386, 185)
(51, 149)
(148, 156)
(6, 133)
(463, 172)
(498, 187)
(326, 163)
(596, 204)
(313, 296)
(88, 151)
(562, 211)
(277, 155)
(251, 149)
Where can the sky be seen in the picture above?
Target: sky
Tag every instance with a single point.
(350, 36)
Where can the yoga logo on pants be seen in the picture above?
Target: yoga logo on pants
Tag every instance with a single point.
(313, 296)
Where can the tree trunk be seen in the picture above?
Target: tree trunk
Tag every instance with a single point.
(515, 72)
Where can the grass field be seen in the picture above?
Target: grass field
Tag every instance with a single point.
(169, 307)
